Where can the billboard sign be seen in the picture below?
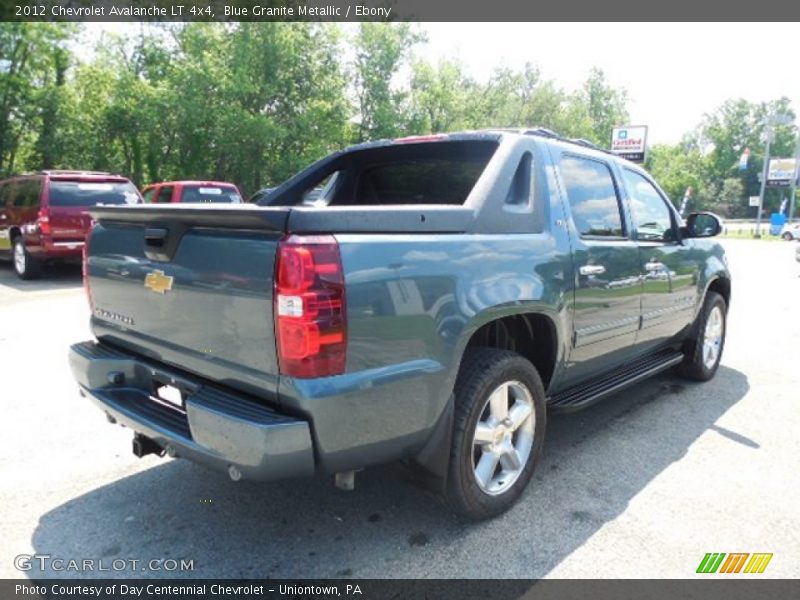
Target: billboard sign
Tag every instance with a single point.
(781, 171)
(629, 142)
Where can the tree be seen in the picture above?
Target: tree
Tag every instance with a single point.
(724, 134)
(32, 58)
(439, 98)
(381, 49)
(677, 168)
(604, 107)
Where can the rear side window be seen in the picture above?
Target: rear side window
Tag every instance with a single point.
(164, 194)
(92, 193)
(8, 193)
(210, 193)
(28, 193)
(148, 194)
(592, 197)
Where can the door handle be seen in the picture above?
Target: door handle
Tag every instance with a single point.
(155, 236)
(592, 270)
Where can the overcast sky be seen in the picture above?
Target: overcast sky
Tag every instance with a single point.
(673, 72)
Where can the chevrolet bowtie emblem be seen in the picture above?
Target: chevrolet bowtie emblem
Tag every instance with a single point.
(158, 282)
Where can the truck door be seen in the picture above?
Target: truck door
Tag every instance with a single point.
(607, 296)
(669, 274)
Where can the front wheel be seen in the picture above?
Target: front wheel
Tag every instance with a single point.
(787, 236)
(25, 266)
(498, 432)
(704, 349)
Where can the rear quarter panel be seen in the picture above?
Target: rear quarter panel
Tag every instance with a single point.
(413, 301)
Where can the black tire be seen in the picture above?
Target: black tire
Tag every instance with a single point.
(28, 268)
(482, 371)
(694, 365)
(787, 236)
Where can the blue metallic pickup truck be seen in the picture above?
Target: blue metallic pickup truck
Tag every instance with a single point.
(425, 299)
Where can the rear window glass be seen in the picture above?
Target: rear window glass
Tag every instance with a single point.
(91, 193)
(397, 174)
(210, 193)
(424, 181)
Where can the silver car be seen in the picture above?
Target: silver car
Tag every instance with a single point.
(791, 232)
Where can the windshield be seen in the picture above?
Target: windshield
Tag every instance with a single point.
(91, 193)
(210, 193)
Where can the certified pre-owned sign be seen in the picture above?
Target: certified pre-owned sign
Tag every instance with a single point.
(629, 142)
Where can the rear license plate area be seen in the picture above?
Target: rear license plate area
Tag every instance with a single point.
(169, 396)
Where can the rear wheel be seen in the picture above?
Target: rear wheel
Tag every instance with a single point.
(25, 266)
(787, 236)
(704, 349)
(498, 432)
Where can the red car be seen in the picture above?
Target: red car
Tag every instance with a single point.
(192, 191)
(43, 217)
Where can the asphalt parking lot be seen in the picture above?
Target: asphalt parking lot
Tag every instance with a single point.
(639, 486)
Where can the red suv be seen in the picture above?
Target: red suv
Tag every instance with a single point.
(44, 216)
(192, 191)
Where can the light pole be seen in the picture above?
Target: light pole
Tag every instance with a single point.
(764, 173)
(793, 184)
(772, 119)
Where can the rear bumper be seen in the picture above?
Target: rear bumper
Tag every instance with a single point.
(46, 248)
(219, 429)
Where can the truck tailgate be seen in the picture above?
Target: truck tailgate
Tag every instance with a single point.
(190, 287)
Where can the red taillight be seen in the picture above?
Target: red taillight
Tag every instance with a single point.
(43, 220)
(310, 323)
(85, 269)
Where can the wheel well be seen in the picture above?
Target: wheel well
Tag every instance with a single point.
(722, 286)
(531, 335)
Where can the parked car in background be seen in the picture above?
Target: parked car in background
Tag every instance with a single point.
(791, 232)
(191, 192)
(44, 216)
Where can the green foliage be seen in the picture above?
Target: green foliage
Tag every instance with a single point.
(381, 50)
(605, 107)
(677, 168)
(723, 136)
(33, 64)
(253, 103)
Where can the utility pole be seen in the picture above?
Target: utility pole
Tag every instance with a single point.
(796, 174)
(764, 173)
(772, 120)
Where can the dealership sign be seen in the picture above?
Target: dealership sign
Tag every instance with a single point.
(781, 171)
(629, 142)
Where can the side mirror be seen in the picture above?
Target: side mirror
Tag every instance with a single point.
(701, 225)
